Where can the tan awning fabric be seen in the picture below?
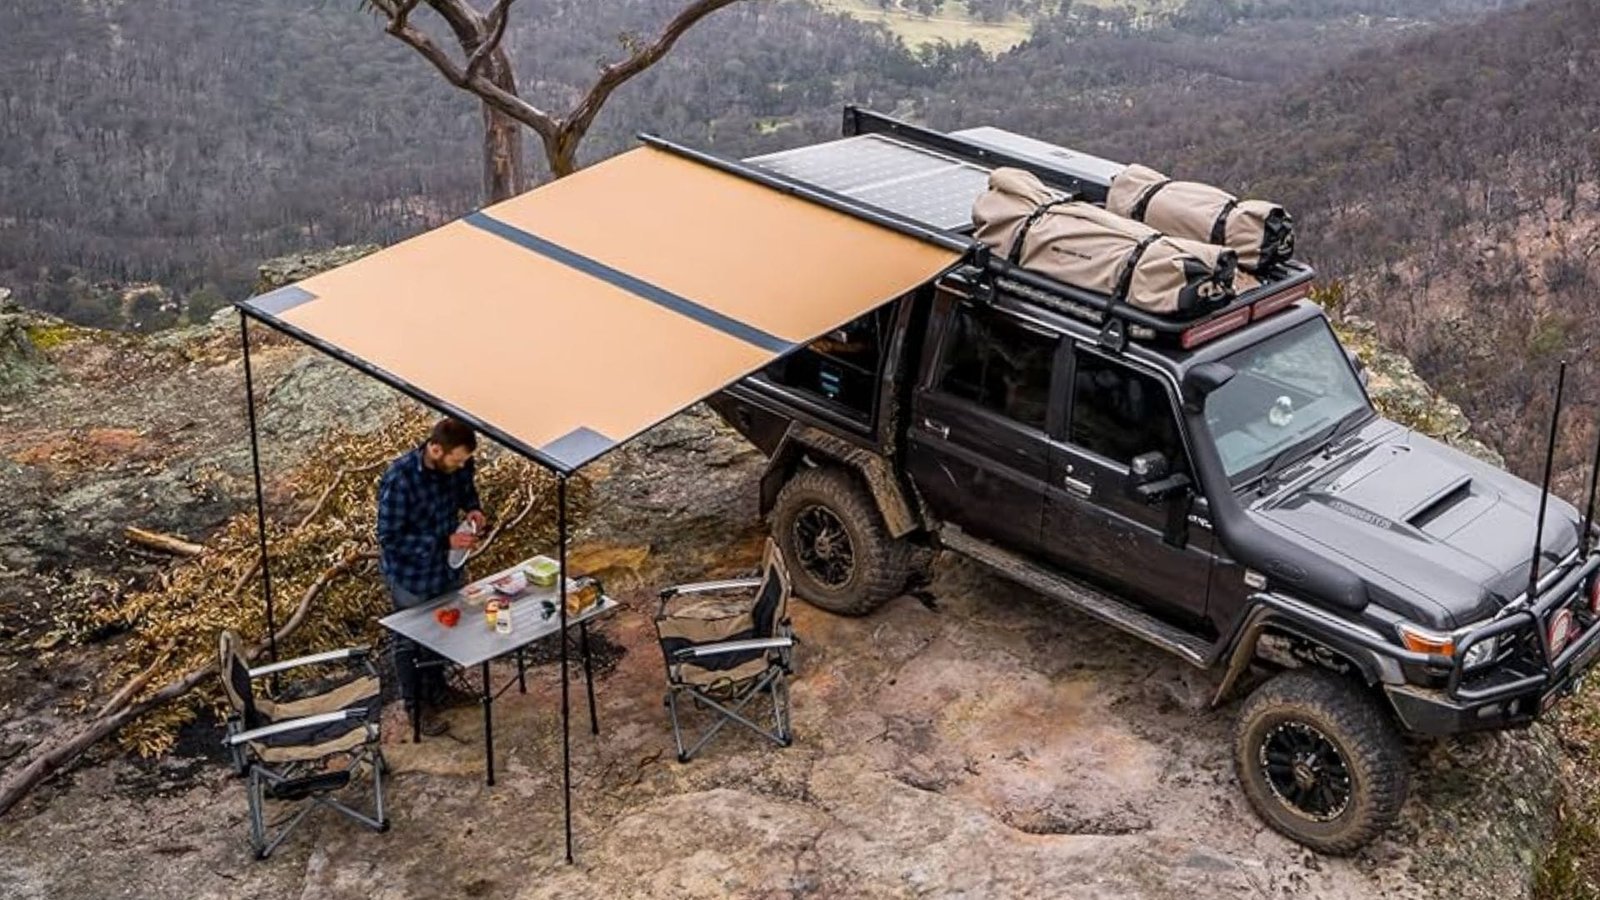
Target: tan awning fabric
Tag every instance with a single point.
(571, 318)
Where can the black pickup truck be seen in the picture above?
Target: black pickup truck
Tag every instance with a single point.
(1221, 488)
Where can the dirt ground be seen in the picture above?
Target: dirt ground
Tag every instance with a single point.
(979, 743)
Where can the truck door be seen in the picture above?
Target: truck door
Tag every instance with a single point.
(1092, 525)
(977, 446)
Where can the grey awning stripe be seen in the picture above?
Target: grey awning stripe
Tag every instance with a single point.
(280, 301)
(664, 298)
(577, 447)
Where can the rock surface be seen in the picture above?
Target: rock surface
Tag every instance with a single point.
(984, 745)
(981, 744)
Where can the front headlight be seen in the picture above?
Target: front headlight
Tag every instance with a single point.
(1480, 654)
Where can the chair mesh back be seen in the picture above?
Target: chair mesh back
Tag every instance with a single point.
(772, 597)
(236, 680)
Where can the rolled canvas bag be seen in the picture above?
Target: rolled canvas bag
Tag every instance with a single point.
(1088, 247)
(1261, 233)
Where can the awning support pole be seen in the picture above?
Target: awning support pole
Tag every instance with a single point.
(566, 709)
(261, 500)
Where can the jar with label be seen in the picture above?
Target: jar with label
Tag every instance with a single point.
(502, 621)
(491, 612)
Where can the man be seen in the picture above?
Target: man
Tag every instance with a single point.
(421, 498)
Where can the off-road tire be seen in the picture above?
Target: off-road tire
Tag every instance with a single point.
(1360, 730)
(881, 563)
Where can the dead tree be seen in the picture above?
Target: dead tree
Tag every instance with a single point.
(484, 69)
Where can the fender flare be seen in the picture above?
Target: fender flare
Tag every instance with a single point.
(900, 514)
(1278, 615)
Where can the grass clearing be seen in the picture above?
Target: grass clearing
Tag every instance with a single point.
(951, 24)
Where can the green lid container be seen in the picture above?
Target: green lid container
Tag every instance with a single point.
(542, 570)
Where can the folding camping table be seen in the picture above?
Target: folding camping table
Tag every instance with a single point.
(473, 642)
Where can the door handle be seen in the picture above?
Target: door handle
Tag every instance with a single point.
(939, 428)
(1078, 488)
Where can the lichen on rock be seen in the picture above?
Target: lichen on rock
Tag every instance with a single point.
(22, 364)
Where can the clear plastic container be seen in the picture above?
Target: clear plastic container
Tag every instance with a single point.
(458, 555)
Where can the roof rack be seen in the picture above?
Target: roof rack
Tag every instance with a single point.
(923, 183)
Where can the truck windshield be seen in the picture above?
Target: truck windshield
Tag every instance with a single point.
(1291, 393)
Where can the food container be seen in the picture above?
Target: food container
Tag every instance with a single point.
(476, 594)
(511, 583)
(491, 612)
(542, 570)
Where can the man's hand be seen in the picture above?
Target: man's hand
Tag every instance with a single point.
(460, 540)
(478, 520)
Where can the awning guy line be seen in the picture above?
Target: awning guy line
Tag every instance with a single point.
(636, 286)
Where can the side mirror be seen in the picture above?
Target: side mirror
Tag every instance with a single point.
(1200, 381)
(1151, 481)
(1147, 467)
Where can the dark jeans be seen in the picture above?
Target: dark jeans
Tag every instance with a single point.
(408, 654)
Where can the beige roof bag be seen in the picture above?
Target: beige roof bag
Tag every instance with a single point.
(1261, 233)
(1090, 248)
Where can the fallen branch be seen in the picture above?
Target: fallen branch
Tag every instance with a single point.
(134, 685)
(50, 760)
(316, 509)
(166, 543)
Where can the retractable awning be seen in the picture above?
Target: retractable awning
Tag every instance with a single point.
(569, 319)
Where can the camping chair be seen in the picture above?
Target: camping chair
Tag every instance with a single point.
(284, 746)
(722, 652)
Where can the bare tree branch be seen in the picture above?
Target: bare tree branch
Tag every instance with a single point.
(498, 17)
(544, 124)
(481, 40)
(615, 75)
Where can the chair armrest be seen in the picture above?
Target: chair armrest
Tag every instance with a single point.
(313, 659)
(707, 587)
(256, 734)
(772, 643)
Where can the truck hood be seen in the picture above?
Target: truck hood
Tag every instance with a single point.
(1440, 537)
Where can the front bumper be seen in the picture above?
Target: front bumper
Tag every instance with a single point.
(1513, 693)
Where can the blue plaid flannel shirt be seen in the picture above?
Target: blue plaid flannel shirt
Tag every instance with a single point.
(418, 509)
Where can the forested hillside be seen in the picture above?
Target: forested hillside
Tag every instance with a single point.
(182, 141)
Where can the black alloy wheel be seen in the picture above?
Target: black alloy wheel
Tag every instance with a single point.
(823, 546)
(1306, 771)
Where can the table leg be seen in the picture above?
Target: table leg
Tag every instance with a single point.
(522, 673)
(488, 727)
(588, 674)
(416, 700)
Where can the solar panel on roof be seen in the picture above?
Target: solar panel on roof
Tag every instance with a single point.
(917, 183)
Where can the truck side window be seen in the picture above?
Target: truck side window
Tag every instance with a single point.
(1119, 412)
(997, 363)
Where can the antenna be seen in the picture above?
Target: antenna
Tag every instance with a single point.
(1544, 495)
(1594, 477)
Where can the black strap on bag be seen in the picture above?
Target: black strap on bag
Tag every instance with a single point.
(1219, 228)
(1143, 203)
(1014, 256)
(1125, 280)
(1114, 334)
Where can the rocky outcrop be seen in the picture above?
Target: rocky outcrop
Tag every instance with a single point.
(275, 273)
(21, 364)
(1403, 396)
